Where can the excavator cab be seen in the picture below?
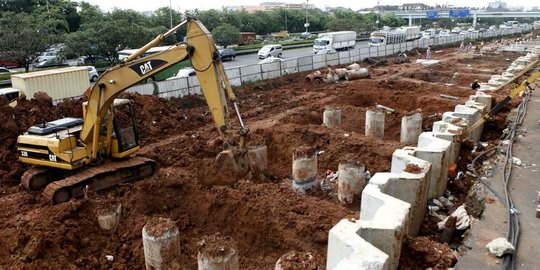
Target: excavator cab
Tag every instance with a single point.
(125, 135)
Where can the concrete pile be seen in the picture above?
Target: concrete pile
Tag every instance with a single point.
(352, 72)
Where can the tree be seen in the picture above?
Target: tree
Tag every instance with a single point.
(23, 38)
(210, 18)
(162, 18)
(391, 20)
(82, 43)
(226, 35)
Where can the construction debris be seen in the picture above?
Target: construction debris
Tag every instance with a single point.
(463, 219)
(449, 96)
(500, 246)
(353, 66)
(352, 72)
(356, 74)
(385, 109)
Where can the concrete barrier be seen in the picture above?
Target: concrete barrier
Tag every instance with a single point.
(471, 115)
(450, 133)
(410, 184)
(384, 222)
(436, 151)
(482, 97)
(347, 250)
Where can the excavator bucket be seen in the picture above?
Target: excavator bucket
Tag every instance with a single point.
(232, 165)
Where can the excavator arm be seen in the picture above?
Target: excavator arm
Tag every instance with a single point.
(200, 49)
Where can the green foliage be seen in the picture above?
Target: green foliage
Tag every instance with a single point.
(226, 34)
(23, 37)
(390, 19)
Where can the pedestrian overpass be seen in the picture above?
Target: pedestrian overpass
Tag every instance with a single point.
(475, 14)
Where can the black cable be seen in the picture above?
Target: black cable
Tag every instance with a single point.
(513, 218)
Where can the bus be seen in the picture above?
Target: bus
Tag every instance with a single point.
(163, 75)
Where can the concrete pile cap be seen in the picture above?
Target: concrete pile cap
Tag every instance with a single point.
(347, 250)
(460, 108)
(427, 140)
(444, 127)
(403, 159)
(482, 94)
(450, 118)
(217, 246)
(382, 211)
(160, 227)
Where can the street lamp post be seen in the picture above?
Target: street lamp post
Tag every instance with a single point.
(306, 25)
(170, 12)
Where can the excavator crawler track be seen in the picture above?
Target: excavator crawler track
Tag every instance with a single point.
(100, 177)
(36, 179)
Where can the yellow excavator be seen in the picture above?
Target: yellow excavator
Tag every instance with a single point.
(73, 155)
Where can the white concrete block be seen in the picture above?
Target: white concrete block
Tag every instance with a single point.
(452, 134)
(410, 188)
(449, 117)
(347, 250)
(472, 115)
(442, 127)
(436, 151)
(384, 221)
(476, 105)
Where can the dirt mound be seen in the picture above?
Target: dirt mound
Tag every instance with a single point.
(422, 252)
(158, 117)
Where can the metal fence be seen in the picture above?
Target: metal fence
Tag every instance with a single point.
(238, 75)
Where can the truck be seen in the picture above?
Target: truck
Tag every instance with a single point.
(380, 38)
(339, 41)
(58, 83)
(247, 38)
(429, 33)
(413, 32)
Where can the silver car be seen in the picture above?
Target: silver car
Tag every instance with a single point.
(275, 50)
(92, 73)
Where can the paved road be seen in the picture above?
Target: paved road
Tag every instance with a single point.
(250, 59)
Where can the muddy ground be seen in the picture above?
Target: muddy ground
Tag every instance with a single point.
(266, 218)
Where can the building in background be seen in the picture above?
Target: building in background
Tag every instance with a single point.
(414, 6)
(265, 6)
(497, 5)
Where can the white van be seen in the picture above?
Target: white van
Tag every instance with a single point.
(275, 50)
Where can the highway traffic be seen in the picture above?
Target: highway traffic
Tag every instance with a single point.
(250, 59)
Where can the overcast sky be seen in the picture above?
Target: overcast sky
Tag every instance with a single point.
(182, 5)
